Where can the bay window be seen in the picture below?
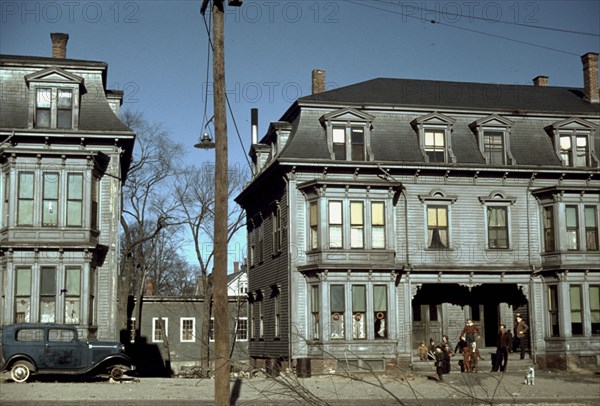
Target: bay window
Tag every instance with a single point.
(337, 307)
(335, 225)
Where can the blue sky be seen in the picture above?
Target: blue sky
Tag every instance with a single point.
(157, 50)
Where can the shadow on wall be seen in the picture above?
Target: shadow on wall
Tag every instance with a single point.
(148, 359)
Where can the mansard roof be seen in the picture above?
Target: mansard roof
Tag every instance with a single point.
(458, 95)
(95, 113)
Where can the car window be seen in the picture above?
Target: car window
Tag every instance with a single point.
(30, 334)
(61, 335)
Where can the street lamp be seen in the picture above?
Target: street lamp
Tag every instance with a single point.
(205, 142)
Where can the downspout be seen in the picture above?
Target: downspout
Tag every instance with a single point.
(532, 268)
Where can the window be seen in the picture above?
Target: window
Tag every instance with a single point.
(335, 225)
(576, 309)
(25, 199)
(493, 147)
(252, 321)
(188, 330)
(252, 237)
(47, 294)
(64, 113)
(549, 229)
(348, 143)
(497, 221)
(261, 316)
(553, 310)
(359, 308)
(595, 308)
(43, 106)
(50, 199)
(95, 198)
(277, 230)
(591, 228)
(337, 307)
(377, 225)
(277, 308)
(315, 304)
(314, 234)
(437, 227)
(72, 292)
(435, 147)
(339, 143)
(30, 334)
(572, 228)
(60, 335)
(160, 328)
(54, 108)
(211, 329)
(261, 242)
(380, 309)
(574, 149)
(23, 295)
(356, 225)
(241, 331)
(74, 199)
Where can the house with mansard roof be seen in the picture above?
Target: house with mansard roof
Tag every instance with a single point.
(388, 212)
(65, 155)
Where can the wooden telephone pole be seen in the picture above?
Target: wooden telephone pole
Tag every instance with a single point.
(221, 319)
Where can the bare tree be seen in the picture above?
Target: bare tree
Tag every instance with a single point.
(195, 195)
(146, 207)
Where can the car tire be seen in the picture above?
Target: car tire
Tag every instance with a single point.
(21, 371)
(116, 373)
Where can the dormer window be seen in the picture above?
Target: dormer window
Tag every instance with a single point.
(573, 142)
(54, 108)
(434, 132)
(349, 143)
(574, 149)
(348, 135)
(55, 99)
(493, 138)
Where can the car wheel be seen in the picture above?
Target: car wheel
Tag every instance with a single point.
(21, 371)
(116, 373)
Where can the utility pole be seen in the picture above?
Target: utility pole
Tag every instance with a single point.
(221, 320)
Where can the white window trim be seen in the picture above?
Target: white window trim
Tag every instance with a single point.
(435, 122)
(437, 198)
(498, 199)
(247, 329)
(181, 320)
(166, 325)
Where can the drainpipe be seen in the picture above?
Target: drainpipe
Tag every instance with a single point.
(532, 341)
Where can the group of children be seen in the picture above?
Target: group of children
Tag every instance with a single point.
(441, 354)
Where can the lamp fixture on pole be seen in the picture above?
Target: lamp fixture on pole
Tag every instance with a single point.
(205, 142)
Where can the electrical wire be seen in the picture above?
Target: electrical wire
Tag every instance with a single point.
(538, 27)
(212, 47)
(465, 29)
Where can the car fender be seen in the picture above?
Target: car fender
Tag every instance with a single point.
(19, 357)
(122, 360)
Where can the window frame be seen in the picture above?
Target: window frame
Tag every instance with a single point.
(552, 294)
(351, 121)
(48, 294)
(577, 329)
(238, 329)
(164, 333)
(21, 295)
(54, 110)
(549, 228)
(591, 230)
(68, 294)
(429, 239)
(183, 330)
(572, 229)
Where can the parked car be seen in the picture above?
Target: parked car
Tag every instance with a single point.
(50, 348)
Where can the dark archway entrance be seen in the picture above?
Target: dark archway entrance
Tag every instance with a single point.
(429, 318)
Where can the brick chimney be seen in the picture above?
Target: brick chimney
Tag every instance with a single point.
(59, 45)
(236, 267)
(590, 77)
(540, 81)
(149, 287)
(318, 81)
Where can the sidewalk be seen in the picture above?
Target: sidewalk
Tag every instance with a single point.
(415, 388)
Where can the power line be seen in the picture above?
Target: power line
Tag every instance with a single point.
(464, 29)
(226, 99)
(538, 27)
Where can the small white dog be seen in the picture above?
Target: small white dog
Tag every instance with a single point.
(530, 377)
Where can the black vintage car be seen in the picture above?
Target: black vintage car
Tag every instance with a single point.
(50, 348)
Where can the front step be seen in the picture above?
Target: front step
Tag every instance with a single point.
(515, 364)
